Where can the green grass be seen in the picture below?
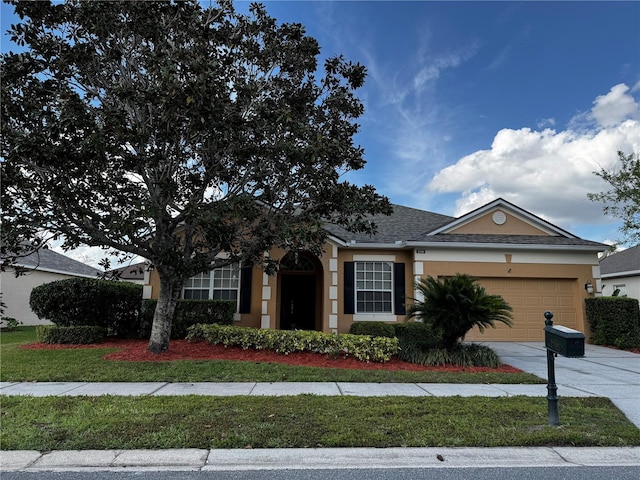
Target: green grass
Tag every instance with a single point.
(87, 365)
(70, 423)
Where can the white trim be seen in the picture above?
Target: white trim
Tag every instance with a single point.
(629, 273)
(507, 246)
(333, 264)
(266, 293)
(375, 317)
(374, 258)
(265, 321)
(53, 270)
(333, 293)
(147, 290)
(333, 321)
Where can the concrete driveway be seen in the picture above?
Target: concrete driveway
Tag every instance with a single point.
(605, 372)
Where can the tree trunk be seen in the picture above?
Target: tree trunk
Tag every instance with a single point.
(170, 288)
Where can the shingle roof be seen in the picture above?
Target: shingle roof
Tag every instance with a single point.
(407, 224)
(48, 260)
(509, 240)
(131, 272)
(403, 224)
(625, 261)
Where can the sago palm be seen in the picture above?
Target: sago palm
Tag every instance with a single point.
(454, 305)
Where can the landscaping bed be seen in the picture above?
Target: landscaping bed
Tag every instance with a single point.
(136, 351)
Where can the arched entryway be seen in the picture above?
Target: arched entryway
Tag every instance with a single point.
(300, 287)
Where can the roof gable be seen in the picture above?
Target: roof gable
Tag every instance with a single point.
(501, 218)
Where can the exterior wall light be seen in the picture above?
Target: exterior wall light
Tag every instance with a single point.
(589, 287)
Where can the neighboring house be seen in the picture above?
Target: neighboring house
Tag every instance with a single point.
(621, 271)
(534, 265)
(42, 267)
(132, 273)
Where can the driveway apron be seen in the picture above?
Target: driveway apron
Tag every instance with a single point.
(605, 372)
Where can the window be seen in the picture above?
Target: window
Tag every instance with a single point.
(225, 282)
(197, 287)
(374, 287)
(622, 290)
(219, 284)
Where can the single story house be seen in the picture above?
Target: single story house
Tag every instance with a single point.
(131, 273)
(41, 267)
(535, 265)
(621, 271)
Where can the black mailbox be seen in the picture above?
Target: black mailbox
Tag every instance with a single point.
(564, 341)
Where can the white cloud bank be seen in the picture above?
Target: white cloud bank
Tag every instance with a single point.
(547, 172)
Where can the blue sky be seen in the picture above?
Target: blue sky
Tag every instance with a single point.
(469, 101)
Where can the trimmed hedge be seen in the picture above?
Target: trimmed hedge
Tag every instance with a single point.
(614, 321)
(187, 314)
(79, 335)
(361, 347)
(373, 329)
(114, 306)
(415, 338)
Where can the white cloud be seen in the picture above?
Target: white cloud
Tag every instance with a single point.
(547, 172)
(615, 106)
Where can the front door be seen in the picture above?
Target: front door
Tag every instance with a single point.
(298, 302)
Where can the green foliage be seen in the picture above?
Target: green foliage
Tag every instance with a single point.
(373, 329)
(70, 335)
(9, 324)
(125, 116)
(614, 321)
(623, 200)
(187, 314)
(114, 306)
(455, 305)
(361, 347)
(303, 421)
(414, 339)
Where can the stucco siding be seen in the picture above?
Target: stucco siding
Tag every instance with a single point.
(16, 293)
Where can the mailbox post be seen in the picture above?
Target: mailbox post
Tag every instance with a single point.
(566, 342)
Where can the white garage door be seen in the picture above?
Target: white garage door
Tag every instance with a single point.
(530, 298)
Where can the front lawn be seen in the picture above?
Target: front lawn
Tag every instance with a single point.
(64, 423)
(87, 365)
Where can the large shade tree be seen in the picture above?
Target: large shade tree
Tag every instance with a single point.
(623, 199)
(187, 135)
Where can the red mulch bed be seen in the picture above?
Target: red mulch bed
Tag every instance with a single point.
(136, 351)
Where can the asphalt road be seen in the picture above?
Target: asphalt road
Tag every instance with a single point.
(530, 473)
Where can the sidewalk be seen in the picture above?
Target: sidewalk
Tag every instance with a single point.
(602, 372)
(315, 458)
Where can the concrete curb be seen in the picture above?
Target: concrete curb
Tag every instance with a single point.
(321, 458)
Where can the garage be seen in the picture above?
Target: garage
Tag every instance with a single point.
(530, 298)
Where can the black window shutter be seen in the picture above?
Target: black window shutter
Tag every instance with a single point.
(245, 289)
(349, 288)
(398, 289)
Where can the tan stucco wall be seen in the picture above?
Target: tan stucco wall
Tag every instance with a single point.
(578, 273)
(485, 225)
(16, 293)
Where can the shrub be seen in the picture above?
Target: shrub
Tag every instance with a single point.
(414, 339)
(361, 347)
(614, 321)
(114, 306)
(9, 323)
(454, 305)
(462, 355)
(187, 314)
(70, 335)
(373, 329)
